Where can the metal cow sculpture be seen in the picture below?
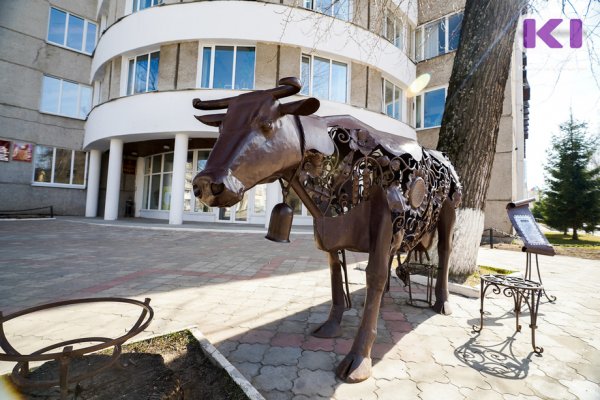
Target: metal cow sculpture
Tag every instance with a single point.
(368, 191)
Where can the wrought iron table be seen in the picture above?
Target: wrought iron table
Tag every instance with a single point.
(521, 290)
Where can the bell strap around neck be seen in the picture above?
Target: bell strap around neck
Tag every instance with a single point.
(285, 189)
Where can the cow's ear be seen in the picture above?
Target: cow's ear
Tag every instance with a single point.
(300, 107)
(211, 119)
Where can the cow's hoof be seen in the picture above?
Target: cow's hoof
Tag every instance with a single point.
(354, 368)
(442, 307)
(329, 329)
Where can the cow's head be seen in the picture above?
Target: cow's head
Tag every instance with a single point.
(258, 142)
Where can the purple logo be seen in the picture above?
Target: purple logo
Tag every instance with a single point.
(530, 33)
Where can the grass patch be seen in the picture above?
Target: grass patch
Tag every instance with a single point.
(558, 239)
(474, 279)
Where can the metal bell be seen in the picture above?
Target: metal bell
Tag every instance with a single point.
(280, 223)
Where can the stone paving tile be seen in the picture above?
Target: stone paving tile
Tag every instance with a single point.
(396, 389)
(248, 369)
(314, 383)
(390, 370)
(282, 356)
(583, 389)
(248, 353)
(436, 391)
(316, 360)
(364, 390)
(279, 378)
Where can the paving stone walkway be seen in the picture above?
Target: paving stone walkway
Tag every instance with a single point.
(258, 301)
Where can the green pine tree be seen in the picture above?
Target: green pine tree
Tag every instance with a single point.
(572, 198)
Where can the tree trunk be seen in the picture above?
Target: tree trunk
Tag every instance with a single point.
(472, 114)
(575, 236)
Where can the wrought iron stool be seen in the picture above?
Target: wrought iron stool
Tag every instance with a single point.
(520, 290)
(407, 268)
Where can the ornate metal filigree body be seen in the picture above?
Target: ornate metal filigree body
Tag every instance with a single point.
(416, 189)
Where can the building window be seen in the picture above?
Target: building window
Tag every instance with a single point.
(429, 108)
(59, 167)
(394, 30)
(143, 73)
(227, 67)
(324, 78)
(65, 98)
(158, 178)
(392, 100)
(438, 37)
(142, 4)
(335, 8)
(68, 30)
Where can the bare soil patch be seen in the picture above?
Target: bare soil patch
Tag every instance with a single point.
(171, 367)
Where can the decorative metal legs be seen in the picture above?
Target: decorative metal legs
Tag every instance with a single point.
(404, 271)
(528, 268)
(521, 291)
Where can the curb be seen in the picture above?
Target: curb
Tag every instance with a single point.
(218, 358)
(454, 288)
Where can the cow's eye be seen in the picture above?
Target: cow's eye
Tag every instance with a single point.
(266, 126)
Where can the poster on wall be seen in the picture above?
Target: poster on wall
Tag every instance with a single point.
(22, 151)
(4, 150)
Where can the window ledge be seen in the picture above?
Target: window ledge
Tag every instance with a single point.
(57, 185)
(62, 115)
(70, 48)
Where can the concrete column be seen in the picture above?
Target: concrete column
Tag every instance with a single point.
(273, 197)
(93, 184)
(139, 186)
(113, 182)
(178, 184)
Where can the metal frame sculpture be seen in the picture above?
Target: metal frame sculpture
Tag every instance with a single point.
(63, 358)
(368, 191)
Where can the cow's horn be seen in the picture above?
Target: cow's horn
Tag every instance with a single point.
(211, 104)
(287, 87)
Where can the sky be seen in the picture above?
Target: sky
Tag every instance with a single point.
(560, 80)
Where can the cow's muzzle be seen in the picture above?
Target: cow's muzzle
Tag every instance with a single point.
(217, 188)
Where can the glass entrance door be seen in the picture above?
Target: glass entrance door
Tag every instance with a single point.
(237, 213)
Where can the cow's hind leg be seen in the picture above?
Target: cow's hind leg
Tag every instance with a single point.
(445, 230)
(331, 328)
(356, 366)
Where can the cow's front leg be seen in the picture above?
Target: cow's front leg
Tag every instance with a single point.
(331, 328)
(356, 366)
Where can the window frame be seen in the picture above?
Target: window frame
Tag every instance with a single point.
(405, 30)
(401, 101)
(311, 76)
(86, 23)
(125, 72)
(53, 168)
(79, 86)
(211, 71)
(333, 9)
(133, 9)
(419, 48)
(422, 96)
